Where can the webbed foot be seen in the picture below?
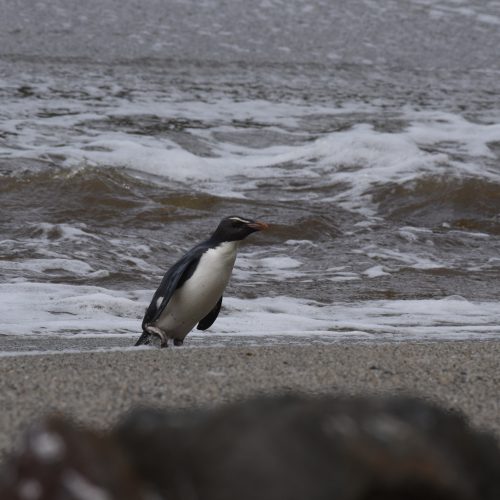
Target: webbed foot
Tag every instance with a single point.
(160, 333)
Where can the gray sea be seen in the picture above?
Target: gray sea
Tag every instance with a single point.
(366, 133)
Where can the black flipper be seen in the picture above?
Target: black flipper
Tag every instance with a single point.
(209, 319)
(144, 339)
(173, 279)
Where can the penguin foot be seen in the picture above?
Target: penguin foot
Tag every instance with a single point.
(160, 333)
(178, 342)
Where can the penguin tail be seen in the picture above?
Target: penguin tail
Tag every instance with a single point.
(144, 339)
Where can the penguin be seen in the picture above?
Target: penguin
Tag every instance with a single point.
(191, 290)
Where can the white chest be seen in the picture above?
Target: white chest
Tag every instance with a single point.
(215, 267)
(199, 294)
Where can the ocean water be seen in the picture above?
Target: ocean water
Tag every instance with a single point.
(367, 135)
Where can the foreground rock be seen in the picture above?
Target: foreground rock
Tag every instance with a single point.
(296, 448)
(59, 461)
(287, 447)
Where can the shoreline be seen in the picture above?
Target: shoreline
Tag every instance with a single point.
(97, 387)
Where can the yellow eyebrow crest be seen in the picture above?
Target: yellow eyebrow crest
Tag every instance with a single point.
(239, 220)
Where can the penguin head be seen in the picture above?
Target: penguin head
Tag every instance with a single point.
(236, 228)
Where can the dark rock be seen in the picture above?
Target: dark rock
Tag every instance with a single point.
(322, 448)
(285, 448)
(59, 461)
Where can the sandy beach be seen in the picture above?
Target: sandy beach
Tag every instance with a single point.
(97, 387)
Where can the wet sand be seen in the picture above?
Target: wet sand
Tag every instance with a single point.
(97, 387)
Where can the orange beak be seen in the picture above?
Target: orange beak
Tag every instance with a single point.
(258, 225)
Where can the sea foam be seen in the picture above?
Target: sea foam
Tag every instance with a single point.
(356, 159)
(52, 309)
